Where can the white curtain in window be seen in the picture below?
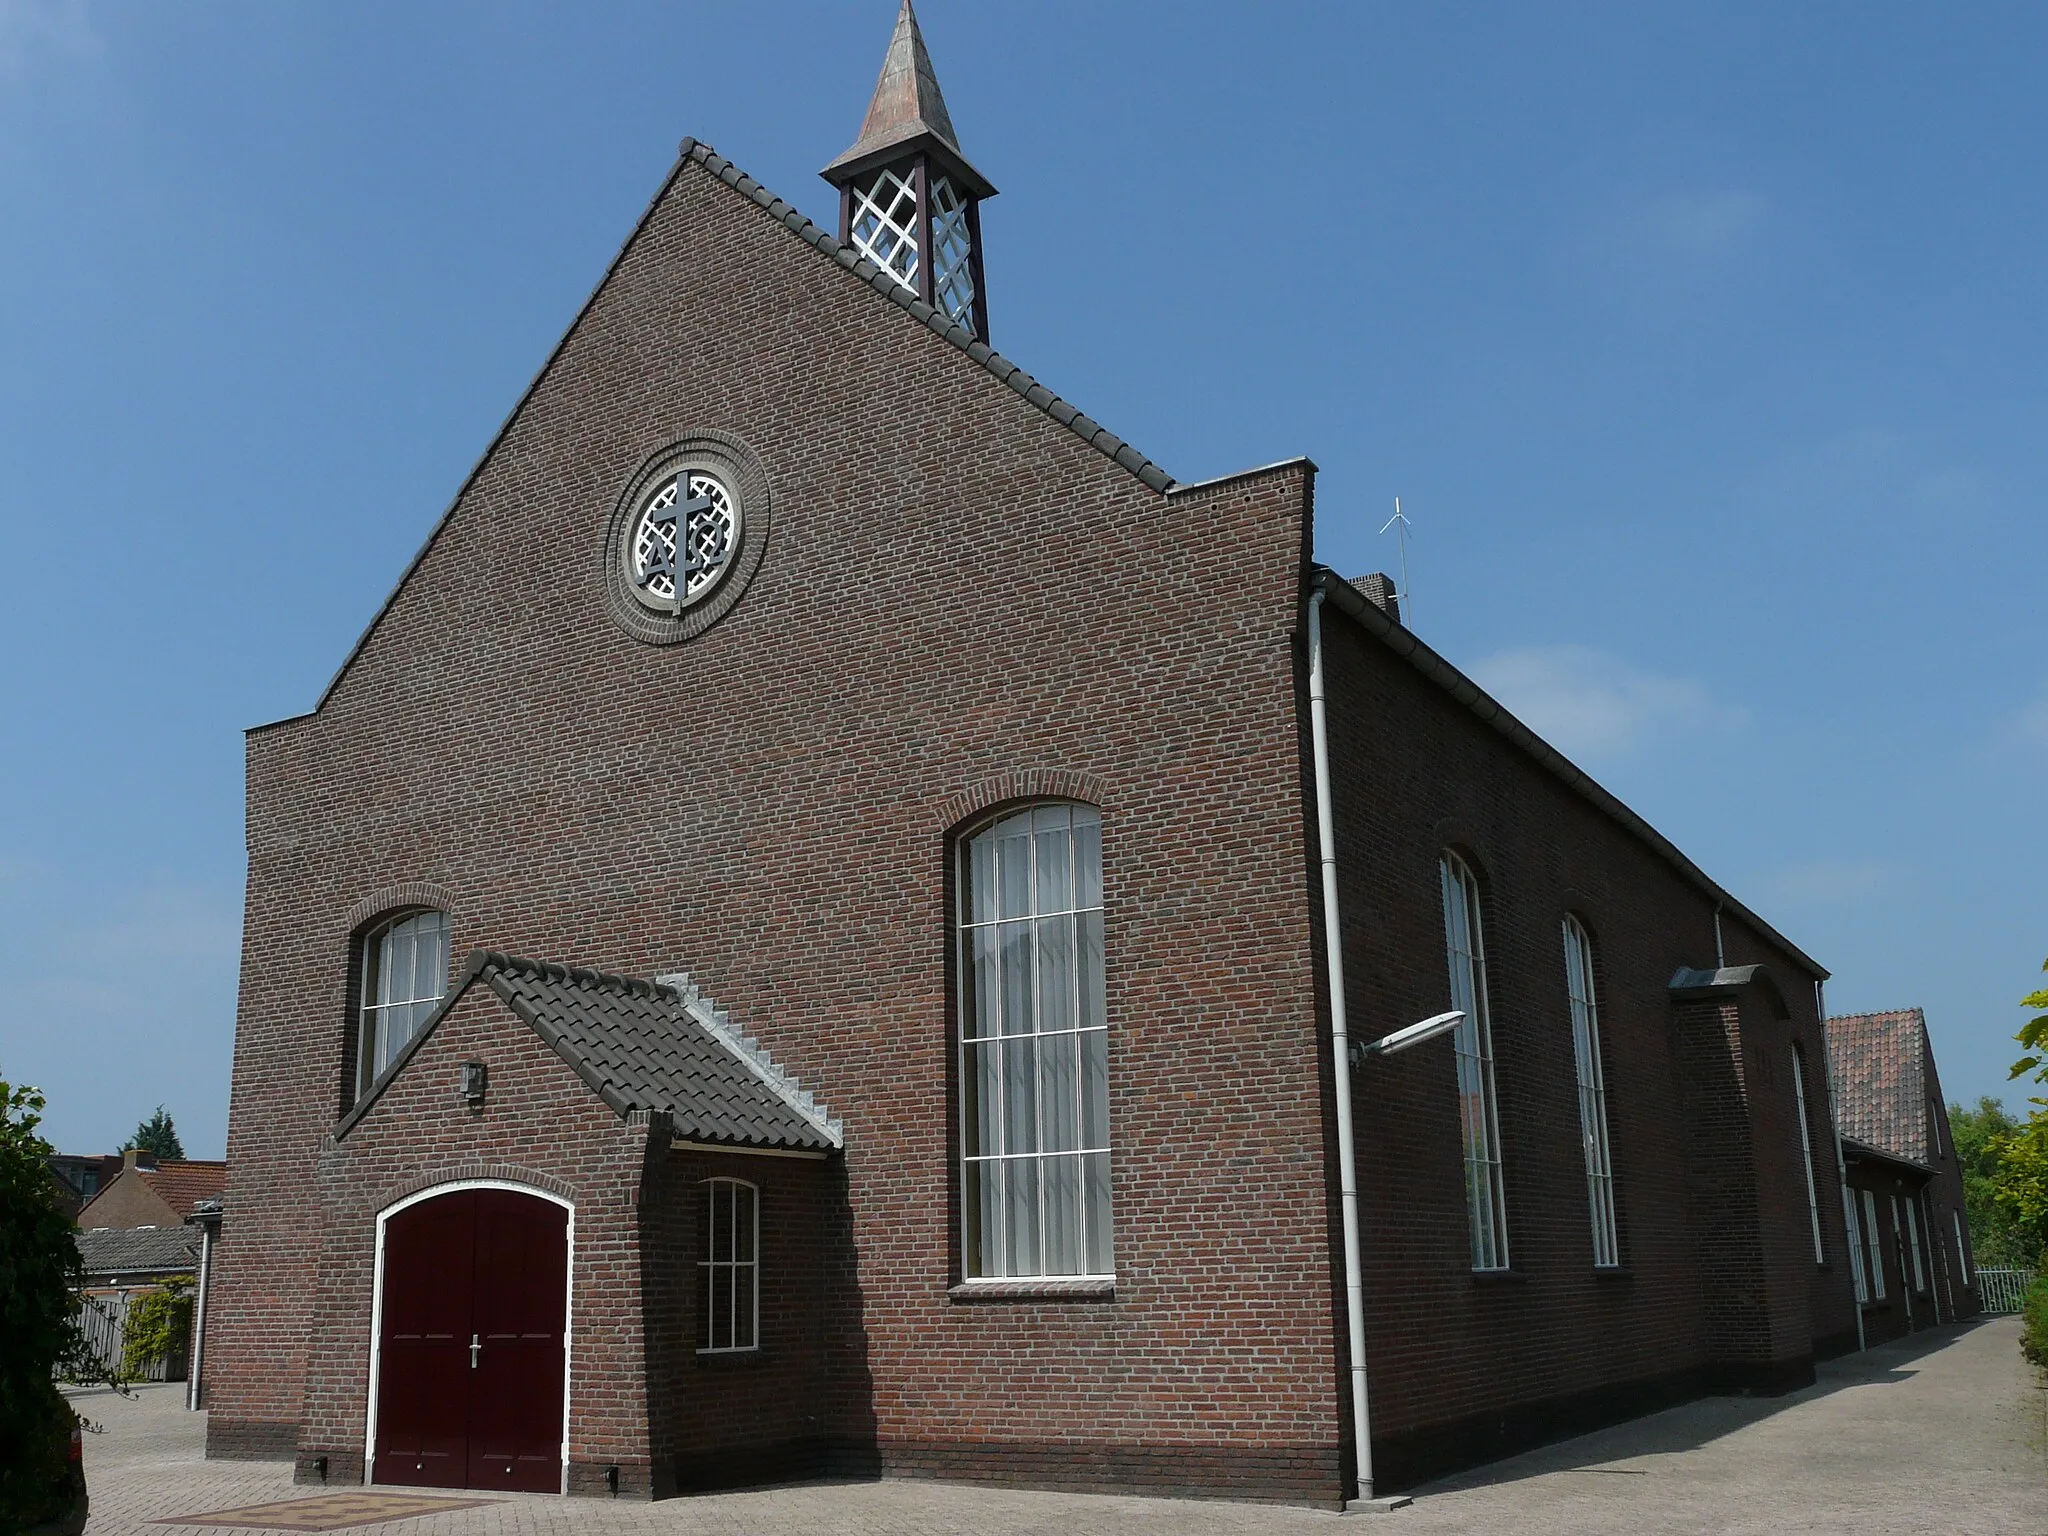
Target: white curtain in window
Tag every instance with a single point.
(1034, 1048)
(1854, 1226)
(1873, 1237)
(1578, 975)
(1485, 1199)
(405, 974)
(1806, 1150)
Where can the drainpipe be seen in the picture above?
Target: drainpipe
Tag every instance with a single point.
(206, 1217)
(1827, 1061)
(1340, 1050)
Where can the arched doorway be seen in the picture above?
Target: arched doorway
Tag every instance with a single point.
(473, 1303)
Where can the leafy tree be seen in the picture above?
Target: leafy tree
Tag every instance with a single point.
(158, 1135)
(1976, 1134)
(39, 1276)
(2020, 1186)
(159, 1325)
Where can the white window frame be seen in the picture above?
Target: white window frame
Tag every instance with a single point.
(1906, 1233)
(1873, 1237)
(1593, 1135)
(1820, 1254)
(1059, 1055)
(1853, 1224)
(738, 1340)
(1479, 1118)
(376, 1046)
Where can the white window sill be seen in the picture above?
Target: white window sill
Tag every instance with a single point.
(1050, 1288)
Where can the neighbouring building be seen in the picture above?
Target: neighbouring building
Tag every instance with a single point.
(928, 878)
(79, 1178)
(148, 1193)
(1909, 1234)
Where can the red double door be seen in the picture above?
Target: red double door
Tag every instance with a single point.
(469, 1380)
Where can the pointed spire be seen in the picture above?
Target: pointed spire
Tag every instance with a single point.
(907, 107)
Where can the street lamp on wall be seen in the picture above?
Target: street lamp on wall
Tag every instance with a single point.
(1401, 1039)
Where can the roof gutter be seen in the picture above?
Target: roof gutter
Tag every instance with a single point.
(1404, 644)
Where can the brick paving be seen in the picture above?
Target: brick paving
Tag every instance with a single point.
(1947, 1431)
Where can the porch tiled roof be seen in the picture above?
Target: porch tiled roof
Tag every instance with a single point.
(661, 1046)
(1880, 1064)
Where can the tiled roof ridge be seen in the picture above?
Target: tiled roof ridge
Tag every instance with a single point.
(583, 976)
(1091, 432)
(718, 1024)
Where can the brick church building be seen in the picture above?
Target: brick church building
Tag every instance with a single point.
(840, 919)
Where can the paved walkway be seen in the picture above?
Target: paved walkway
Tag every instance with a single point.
(1944, 1432)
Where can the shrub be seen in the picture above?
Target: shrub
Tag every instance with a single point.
(158, 1325)
(2034, 1320)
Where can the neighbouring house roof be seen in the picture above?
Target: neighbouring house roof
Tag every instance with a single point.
(162, 1195)
(1880, 1065)
(658, 1046)
(183, 1185)
(138, 1250)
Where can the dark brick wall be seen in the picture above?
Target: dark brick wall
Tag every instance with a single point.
(1464, 1365)
(962, 603)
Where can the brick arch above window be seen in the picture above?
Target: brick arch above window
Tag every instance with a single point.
(396, 898)
(975, 800)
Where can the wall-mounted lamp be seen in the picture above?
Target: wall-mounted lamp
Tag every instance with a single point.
(1414, 1034)
(476, 1077)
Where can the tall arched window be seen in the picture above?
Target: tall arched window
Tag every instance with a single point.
(1034, 1048)
(1485, 1200)
(1820, 1254)
(1578, 976)
(404, 975)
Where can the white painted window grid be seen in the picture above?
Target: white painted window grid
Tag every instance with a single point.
(1485, 1197)
(1962, 1248)
(884, 224)
(1854, 1226)
(729, 1273)
(1578, 972)
(1033, 1046)
(1911, 1230)
(1873, 1238)
(1806, 1150)
(404, 976)
(952, 252)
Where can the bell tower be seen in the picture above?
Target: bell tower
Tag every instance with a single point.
(908, 199)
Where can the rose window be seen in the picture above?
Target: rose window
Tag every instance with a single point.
(683, 543)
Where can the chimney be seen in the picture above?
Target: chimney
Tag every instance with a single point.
(1378, 589)
(135, 1157)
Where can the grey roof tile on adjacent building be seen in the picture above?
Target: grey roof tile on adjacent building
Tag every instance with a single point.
(1881, 1079)
(658, 1046)
(138, 1250)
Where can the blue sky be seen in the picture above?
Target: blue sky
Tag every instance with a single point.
(1702, 343)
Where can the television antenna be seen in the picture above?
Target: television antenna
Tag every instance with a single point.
(1399, 522)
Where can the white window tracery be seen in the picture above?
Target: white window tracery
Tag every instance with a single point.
(1034, 1052)
(1485, 1196)
(404, 976)
(884, 224)
(952, 252)
(1578, 971)
(687, 532)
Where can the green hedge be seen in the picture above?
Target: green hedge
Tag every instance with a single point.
(2034, 1319)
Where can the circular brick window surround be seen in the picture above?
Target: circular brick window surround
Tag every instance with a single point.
(712, 545)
